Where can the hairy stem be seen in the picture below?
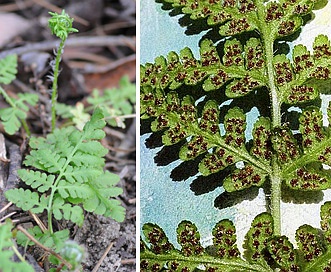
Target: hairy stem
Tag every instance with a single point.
(276, 121)
(275, 179)
(275, 196)
(54, 86)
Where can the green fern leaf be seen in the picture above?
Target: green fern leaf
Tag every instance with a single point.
(11, 117)
(72, 175)
(27, 200)
(37, 179)
(100, 201)
(260, 232)
(8, 69)
(67, 190)
(189, 239)
(310, 242)
(67, 211)
(7, 264)
(81, 174)
(283, 254)
(224, 240)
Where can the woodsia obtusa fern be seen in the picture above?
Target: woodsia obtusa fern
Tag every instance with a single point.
(65, 175)
(183, 97)
(264, 251)
(67, 170)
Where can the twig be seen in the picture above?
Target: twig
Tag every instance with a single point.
(95, 269)
(92, 68)
(56, 9)
(6, 207)
(129, 150)
(124, 171)
(72, 42)
(38, 221)
(128, 261)
(27, 234)
(15, 6)
(7, 216)
(115, 133)
(132, 201)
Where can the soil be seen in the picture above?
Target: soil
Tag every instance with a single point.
(96, 58)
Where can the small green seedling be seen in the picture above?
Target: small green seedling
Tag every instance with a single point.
(61, 26)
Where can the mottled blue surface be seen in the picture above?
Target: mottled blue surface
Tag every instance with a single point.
(161, 33)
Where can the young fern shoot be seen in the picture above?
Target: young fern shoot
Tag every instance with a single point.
(61, 26)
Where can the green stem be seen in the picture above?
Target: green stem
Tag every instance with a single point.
(276, 121)
(26, 127)
(18, 254)
(268, 39)
(222, 264)
(275, 197)
(54, 87)
(274, 95)
(7, 98)
(56, 183)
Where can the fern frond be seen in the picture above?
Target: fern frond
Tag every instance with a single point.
(101, 201)
(159, 254)
(13, 116)
(8, 69)
(7, 263)
(117, 101)
(179, 121)
(69, 174)
(51, 240)
(264, 251)
(27, 200)
(116, 104)
(201, 104)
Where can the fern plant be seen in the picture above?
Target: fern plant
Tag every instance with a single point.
(183, 98)
(64, 173)
(7, 251)
(117, 105)
(264, 251)
(14, 116)
(68, 177)
(61, 26)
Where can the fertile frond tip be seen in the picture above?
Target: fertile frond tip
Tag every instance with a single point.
(61, 24)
